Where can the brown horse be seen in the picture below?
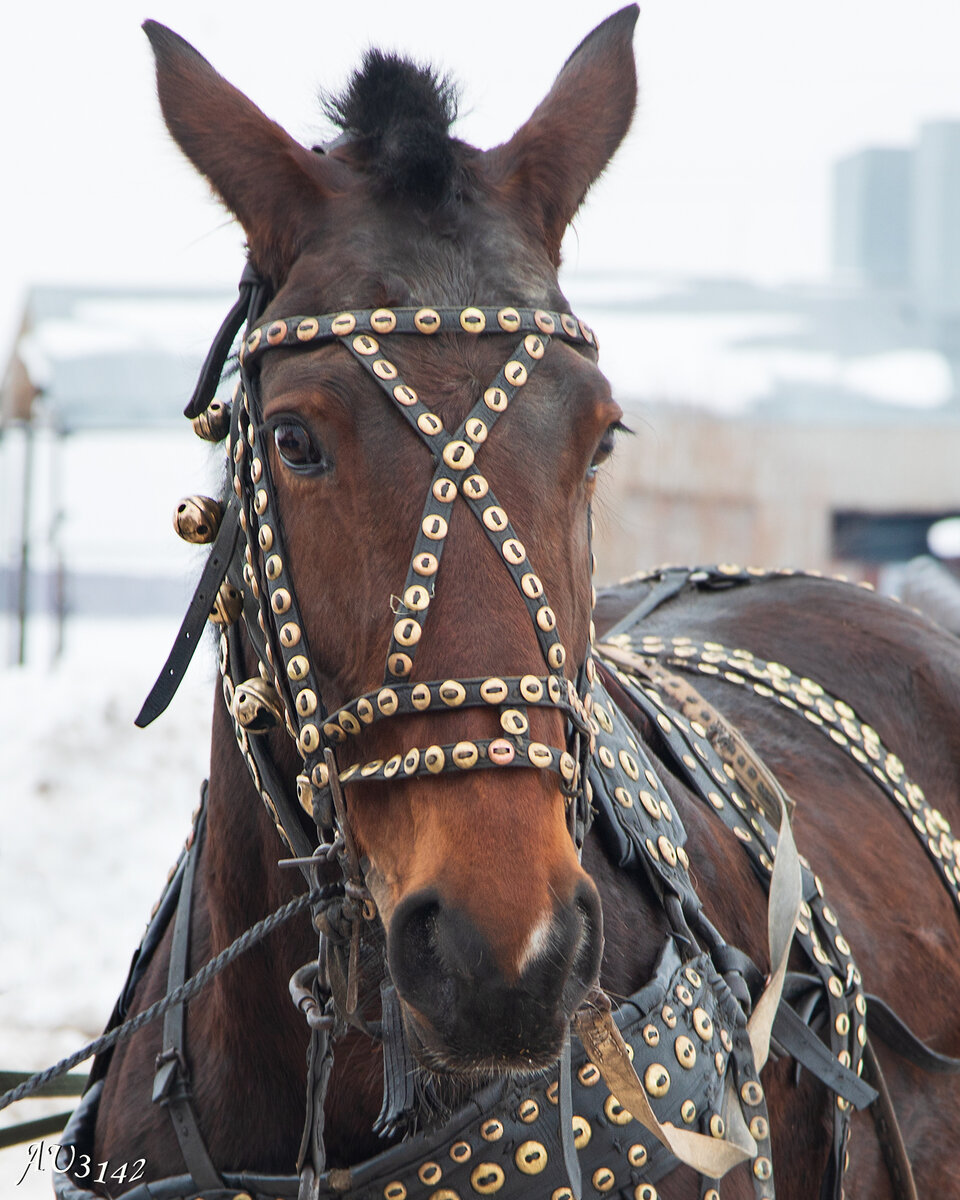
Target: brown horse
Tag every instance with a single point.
(488, 922)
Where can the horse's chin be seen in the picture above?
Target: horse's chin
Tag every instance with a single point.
(477, 1064)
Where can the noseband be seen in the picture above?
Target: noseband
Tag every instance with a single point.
(277, 628)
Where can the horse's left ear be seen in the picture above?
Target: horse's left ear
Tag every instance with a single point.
(550, 162)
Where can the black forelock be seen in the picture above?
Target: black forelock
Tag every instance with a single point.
(400, 113)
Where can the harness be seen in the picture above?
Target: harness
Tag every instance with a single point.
(697, 1032)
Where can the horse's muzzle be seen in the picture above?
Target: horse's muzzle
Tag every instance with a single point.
(468, 1014)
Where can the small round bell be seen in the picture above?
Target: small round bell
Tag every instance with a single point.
(197, 519)
(256, 706)
(227, 605)
(213, 424)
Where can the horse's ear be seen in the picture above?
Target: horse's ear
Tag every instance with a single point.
(550, 162)
(272, 184)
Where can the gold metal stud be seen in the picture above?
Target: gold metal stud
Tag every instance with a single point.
(407, 632)
(494, 518)
(508, 320)
(553, 1092)
(260, 502)
(759, 1128)
(651, 1035)
(589, 1074)
(281, 601)
(365, 345)
(472, 320)
(615, 1112)
(492, 1130)
(513, 721)
(751, 1093)
(668, 1016)
(656, 1080)
(515, 373)
(305, 794)
(493, 690)
(458, 455)
(556, 656)
(405, 395)
(276, 332)
(546, 619)
(501, 752)
(702, 1024)
(685, 1051)
(427, 320)
(411, 760)
(197, 519)
(582, 1131)
(496, 399)
(637, 1155)
(429, 423)
(682, 992)
(387, 701)
(763, 1168)
(452, 693)
(667, 851)
(688, 1111)
(528, 1111)
(383, 320)
(395, 1191)
(416, 598)
(349, 724)
(445, 490)
(531, 689)
(486, 1178)
(306, 702)
(298, 667)
(476, 487)
(464, 755)
(717, 1127)
(603, 1179)
(434, 759)
(531, 1157)
(434, 527)
(420, 697)
(257, 706)
(426, 564)
(384, 369)
(399, 664)
(273, 566)
(544, 321)
(460, 1152)
(213, 424)
(531, 586)
(309, 740)
(534, 346)
(430, 1173)
(539, 755)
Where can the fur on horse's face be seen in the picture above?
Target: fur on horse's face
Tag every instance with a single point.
(494, 931)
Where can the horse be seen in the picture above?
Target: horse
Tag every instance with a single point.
(484, 893)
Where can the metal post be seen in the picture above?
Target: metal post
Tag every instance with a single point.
(23, 581)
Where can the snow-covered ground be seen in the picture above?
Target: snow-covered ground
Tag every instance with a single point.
(92, 813)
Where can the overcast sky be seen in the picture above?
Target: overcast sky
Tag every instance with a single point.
(744, 106)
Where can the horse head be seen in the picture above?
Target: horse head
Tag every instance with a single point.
(494, 930)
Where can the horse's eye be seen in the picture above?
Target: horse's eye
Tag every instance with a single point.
(605, 448)
(297, 449)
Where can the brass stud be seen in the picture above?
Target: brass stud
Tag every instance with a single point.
(256, 470)
(464, 755)
(751, 1093)
(693, 976)
(492, 1130)
(589, 1074)
(717, 1127)
(702, 1024)
(553, 689)
(429, 423)
(306, 702)
(668, 1016)
(452, 693)
(265, 537)
(688, 1111)
(416, 598)
(405, 395)
(407, 632)
(445, 490)
(260, 502)
(501, 752)
(651, 1035)
(391, 766)
(434, 759)
(460, 1152)
(458, 455)
(720, 1063)
(509, 320)
(667, 851)
(496, 399)
(615, 1112)
(298, 667)
(540, 755)
(476, 487)
(281, 601)
(472, 320)
(494, 518)
(582, 1131)
(546, 619)
(556, 656)
(762, 1168)
(349, 724)
(253, 341)
(387, 701)
(603, 1179)
(629, 764)
(395, 1191)
(531, 689)
(197, 519)
(568, 767)
(365, 345)
(383, 320)
(685, 1051)
(425, 564)
(309, 739)
(430, 1173)
(476, 430)
(308, 329)
(513, 721)
(486, 1178)
(365, 710)
(553, 1092)
(656, 1079)
(434, 527)
(273, 566)
(399, 664)
(759, 1128)
(531, 586)
(683, 995)
(528, 1111)
(569, 325)
(305, 794)
(650, 803)
(531, 1157)
(726, 1040)
(411, 760)
(637, 1154)
(493, 690)
(427, 320)
(534, 346)
(320, 775)
(384, 369)
(515, 373)
(645, 1191)
(842, 1024)
(276, 332)
(544, 321)
(420, 697)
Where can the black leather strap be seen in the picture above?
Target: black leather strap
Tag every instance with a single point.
(246, 308)
(195, 620)
(171, 1084)
(799, 1040)
(884, 1023)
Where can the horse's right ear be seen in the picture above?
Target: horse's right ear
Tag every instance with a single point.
(546, 168)
(272, 184)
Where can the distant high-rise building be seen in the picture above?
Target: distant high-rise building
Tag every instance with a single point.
(936, 220)
(872, 217)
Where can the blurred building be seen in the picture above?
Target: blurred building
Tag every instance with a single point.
(873, 217)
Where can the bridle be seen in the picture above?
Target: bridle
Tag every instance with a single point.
(277, 628)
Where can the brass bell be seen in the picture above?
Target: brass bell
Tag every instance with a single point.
(197, 519)
(213, 424)
(227, 605)
(256, 706)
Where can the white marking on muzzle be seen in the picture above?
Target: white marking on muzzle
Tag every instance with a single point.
(537, 943)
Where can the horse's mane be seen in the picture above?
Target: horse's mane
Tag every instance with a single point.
(399, 113)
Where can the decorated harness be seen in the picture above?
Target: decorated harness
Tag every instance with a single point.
(697, 1033)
